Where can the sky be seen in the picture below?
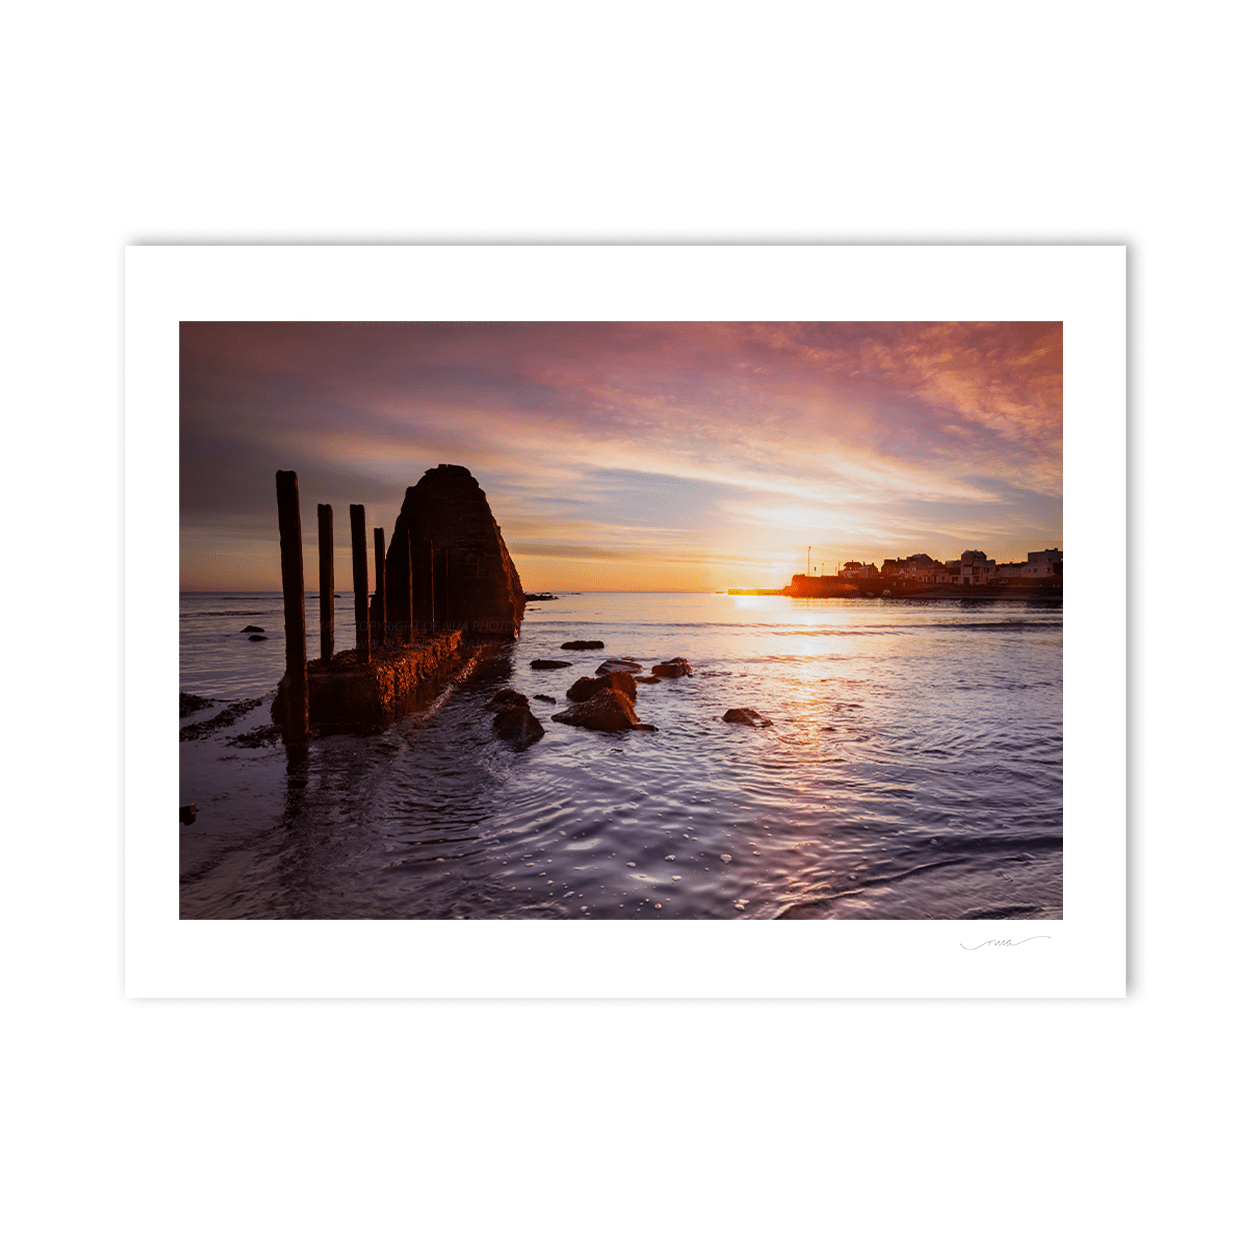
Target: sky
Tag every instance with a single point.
(629, 456)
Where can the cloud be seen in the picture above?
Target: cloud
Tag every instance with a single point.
(644, 437)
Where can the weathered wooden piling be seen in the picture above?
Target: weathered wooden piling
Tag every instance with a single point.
(438, 561)
(360, 581)
(379, 580)
(325, 577)
(410, 635)
(422, 572)
(295, 725)
(433, 600)
(446, 588)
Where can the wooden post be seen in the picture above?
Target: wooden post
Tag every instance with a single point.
(295, 726)
(406, 563)
(423, 602)
(433, 601)
(438, 587)
(446, 588)
(325, 576)
(379, 580)
(360, 581)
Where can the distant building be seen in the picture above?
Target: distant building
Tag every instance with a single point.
(920, 568)
(1048, 563)
(975, 569)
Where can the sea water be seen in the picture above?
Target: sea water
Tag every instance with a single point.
(913, 769)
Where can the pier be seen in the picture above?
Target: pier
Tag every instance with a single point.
(443, 587)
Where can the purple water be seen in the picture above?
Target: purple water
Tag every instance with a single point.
(913, 770)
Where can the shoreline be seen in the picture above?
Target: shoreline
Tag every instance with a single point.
(1031, 594)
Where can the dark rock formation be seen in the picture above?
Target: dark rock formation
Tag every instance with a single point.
(608, 710)
(746, 716)
(251, 629)
(223, 720)
(619, 666)
(587, 687)
(551, 664)
(265, 736)
(581, 645)
(676, 667)
(188, 703)
(545, 698)
(543, 597)
(514, 721)
(463, 576)
(258, 638)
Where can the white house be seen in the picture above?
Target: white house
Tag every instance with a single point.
(1048, 563)
(975, 569)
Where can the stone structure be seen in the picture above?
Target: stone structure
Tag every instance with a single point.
(463, 576)
(345, 694)
(446, 583)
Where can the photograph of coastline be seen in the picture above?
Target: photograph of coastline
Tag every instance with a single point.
(679, 620)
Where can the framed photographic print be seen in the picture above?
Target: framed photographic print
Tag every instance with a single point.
(671, 590)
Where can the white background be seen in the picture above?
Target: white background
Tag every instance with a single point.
(610, 1124)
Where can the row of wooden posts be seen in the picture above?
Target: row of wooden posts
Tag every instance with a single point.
(420, 577)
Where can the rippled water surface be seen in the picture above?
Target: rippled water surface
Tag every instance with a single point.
(913, 770)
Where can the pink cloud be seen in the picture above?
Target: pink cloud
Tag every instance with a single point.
(861, 424)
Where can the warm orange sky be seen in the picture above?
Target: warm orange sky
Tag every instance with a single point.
(630, 456)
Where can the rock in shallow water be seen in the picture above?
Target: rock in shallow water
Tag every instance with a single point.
(587, 687)
(619, 666)
(551, 664)
(676, 667)
(609, 710)
(581, 645)
(507, 698)
(188, 703)
(746, 716)
(514, 722)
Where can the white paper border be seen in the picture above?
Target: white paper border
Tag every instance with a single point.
(1083, 955)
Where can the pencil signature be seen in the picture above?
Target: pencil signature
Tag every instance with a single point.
(1004, 942)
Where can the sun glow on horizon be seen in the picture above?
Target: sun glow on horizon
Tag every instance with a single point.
(630, 456)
